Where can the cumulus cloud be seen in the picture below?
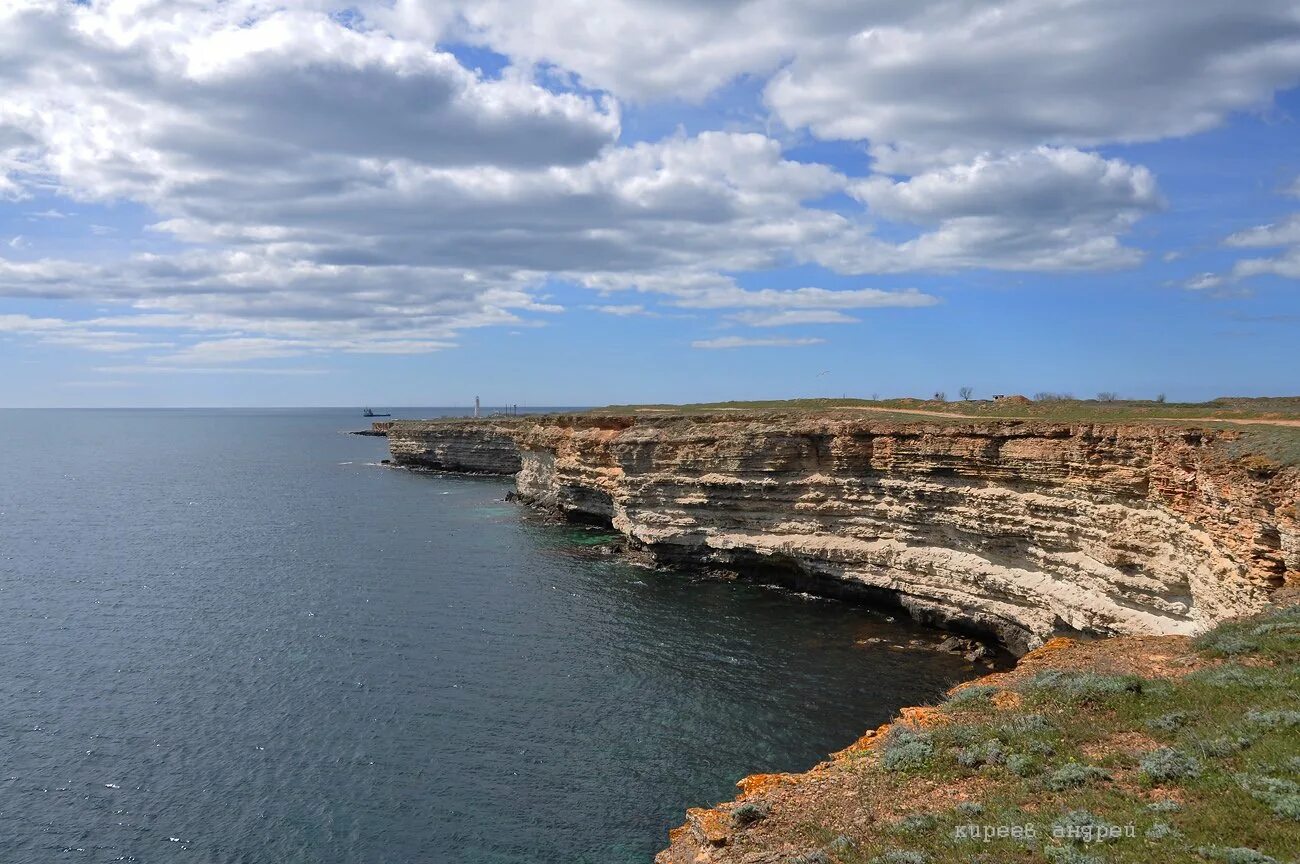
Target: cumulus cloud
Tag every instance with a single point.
(725, 342)
(1047, 208)
(792, 316)
(1282, 233)
(925, 81)
(1007, 75)
(331, 185)
(1205, 282)
(354, 187)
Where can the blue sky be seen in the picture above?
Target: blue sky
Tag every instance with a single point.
(542, 204)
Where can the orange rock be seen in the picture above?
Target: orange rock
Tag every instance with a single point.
(759, 784)
(709, 826)
(923, 717)
(864, 744)
(1007, 699)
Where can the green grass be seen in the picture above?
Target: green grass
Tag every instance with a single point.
(1088, 410)
(1208, 768)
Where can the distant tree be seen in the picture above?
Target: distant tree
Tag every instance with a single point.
(875, 397)
(1160, 397)
(941, 396)
(1107, 396)
(1053, 397)
(966, 393)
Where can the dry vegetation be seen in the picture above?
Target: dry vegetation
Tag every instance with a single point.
(1146, 750)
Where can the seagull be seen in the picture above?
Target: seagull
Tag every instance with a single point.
(820, 374)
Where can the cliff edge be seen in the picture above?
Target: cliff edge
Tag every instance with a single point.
(1022, 530)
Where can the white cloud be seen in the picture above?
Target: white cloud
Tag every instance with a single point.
(925, 81)
(19, 242)
(743, 342)
(626, 310)
(333, 188)
(1043, 209)
(1019, 73)
(1205, 282)
(706, 290)
(1283, 233)
(84, 336)
(1286, 265)
(792, 316)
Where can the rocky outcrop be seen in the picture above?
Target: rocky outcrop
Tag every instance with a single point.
(1020, 529)
(463, 446)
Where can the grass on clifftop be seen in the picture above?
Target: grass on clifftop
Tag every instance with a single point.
(1278, 444)
(1073, 767)
(1053, 408)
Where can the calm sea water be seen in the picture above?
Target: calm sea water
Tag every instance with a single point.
(229, 636)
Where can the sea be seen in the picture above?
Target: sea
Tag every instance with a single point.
(236, 636)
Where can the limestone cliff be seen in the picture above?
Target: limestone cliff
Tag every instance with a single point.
(1020, 529)
(459, 446)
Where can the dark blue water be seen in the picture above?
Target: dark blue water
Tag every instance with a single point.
(229, 636)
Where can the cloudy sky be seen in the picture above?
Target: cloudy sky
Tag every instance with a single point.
(567, 202)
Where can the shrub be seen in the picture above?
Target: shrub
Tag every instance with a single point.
(1168, 764)
(1279, 795)
(1226, 642)
(975, 694)
(1082, 826)
(816, 856)
(988, 753)
(915, 823)
(1082, 686)
(747, 814)
(1160, 831)
(1239, 855)
(1074, 774)
(1022, 765)
(1164, 806)
(906, 749)
(1025, 724)
(1273, 719)
(1287, 627)
(1040, 748)
(1221, 747)
(1070, 855)
(969, 809)
(1171, 722)
(1232, 675)
(841, 844)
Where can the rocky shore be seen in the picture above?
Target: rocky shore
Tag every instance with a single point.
(1018, 530)
(1030, 532)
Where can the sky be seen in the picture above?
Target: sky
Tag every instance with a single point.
(586, 202)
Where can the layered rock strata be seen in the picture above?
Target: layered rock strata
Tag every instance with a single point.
(1024, 530)
(460, 446)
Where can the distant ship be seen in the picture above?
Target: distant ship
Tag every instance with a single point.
(369, 412)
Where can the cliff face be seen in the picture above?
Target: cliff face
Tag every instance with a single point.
(1024, 530)
(479, 447)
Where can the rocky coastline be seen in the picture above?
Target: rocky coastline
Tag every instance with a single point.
(1027, 532)
(1020, 531)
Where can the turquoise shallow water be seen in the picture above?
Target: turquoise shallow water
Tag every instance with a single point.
(230, 636)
